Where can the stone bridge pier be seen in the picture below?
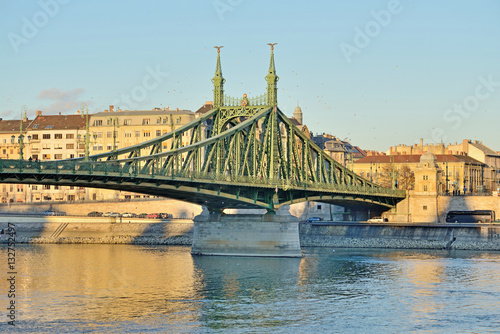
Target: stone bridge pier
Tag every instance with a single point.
(265, 235)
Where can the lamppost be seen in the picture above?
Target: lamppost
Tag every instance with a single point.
(84, 108)
(116, 124)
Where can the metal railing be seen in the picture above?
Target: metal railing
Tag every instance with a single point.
(121, 169)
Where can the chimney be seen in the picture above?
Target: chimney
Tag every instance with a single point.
(422, 142)
(59, 113)
(111, 108)
(176, 109)
(39, 113)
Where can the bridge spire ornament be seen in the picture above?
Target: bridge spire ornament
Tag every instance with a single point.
(218, 82)
(272, 80)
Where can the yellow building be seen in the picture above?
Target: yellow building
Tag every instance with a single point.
(9, 149)
(55, 137)
(456, 172)
(112, 129)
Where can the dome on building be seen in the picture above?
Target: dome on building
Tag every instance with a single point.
(428, 160)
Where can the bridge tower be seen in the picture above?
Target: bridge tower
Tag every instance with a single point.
(218, 81)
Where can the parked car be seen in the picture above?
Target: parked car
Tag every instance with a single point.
(128, 215)
(377, 220)
(154, 215)
(313, 219)
(111, 214)
(53, 213)
(49, 213)
(95, 214)
(142, 215)
(164, 215)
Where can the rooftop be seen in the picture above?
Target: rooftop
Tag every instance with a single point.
(57, 122)
(415, 158)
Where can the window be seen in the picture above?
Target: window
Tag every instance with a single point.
(98, 122)
(58, 156)
(424, 207)
(35, 126)
(318, 207)
(425, 188)
(145, 121)
(71, 156)
(49, 126)
(158, 133)
(34, 136)
(127, 122)
(178, 120)
(165, 120)
(426, 177)
(137, 133)
(158, 120)
(109, 134)
(109, 147)
(97, 134)
(56, 187)
(70, 136)
(109, 122)
(58, 146)
(58, 136)
(128, 134)
(46, 136)
(147, 133)
(70, 146)
(46, 147)
(46, 157)
(46, 187)
(33, 187)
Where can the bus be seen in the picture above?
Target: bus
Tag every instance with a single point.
(476, 216)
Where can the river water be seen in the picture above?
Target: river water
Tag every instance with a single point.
(163, 289)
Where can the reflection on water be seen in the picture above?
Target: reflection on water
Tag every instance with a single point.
(131, 288)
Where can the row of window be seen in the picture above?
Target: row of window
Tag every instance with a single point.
(56, 136)
(145, 121)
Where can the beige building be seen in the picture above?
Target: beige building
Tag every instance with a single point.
(112, 129)
(10, 149)
(471, 148)
(55, 137)
(455, 172)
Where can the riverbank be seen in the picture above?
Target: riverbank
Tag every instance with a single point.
(110, 230)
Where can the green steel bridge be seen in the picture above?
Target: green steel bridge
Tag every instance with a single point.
(244, 153)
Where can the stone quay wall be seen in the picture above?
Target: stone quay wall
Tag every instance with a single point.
(38, 230)
(418, 236)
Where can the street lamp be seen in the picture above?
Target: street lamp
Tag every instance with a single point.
(84, 107)
(116, 124)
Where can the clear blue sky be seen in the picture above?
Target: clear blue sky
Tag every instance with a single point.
(430, 70)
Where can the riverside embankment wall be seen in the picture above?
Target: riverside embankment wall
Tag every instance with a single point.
(99, 230)
(180, 232)
(436, 236)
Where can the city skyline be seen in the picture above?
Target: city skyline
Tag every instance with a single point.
(376, 73)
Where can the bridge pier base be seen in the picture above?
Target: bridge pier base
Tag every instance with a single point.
(246, 235)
